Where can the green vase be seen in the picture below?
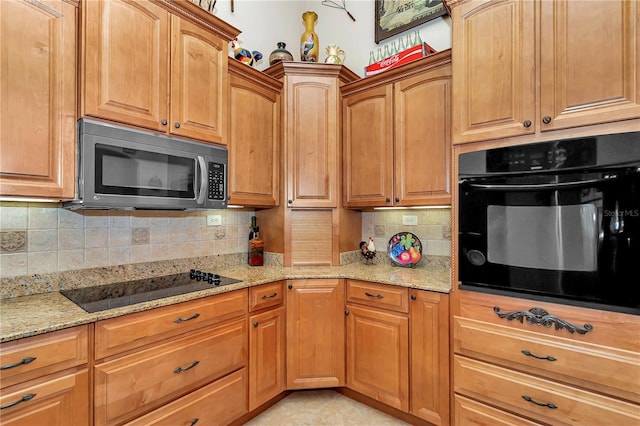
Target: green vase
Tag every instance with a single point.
(309, 43)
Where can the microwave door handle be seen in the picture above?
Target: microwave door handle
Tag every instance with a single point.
(202, 188)
(533, 187)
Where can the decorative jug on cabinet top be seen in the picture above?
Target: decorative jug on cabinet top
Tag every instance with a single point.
(335, 55)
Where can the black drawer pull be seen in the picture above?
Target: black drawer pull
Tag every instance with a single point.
(193, 422)
(179, 320)
(25, 360)
(538, 316)
(542, 404)
(180, 369)
(25, 398)
(378, 296)
(548, 357)
(270, 296)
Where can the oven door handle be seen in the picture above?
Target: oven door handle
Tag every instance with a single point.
(533, 187)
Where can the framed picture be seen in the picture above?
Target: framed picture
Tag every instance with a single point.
(395, 16)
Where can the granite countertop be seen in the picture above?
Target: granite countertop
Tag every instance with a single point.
(34, 314)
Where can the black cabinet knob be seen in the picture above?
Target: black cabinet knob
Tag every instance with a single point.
(177, 125)
(546, 119)
(164, 121)
(290, 286)
(346, 312)
(255, 324)
(413, 297)
(388, 200)
(526, 123)
(289, 201)
(397, 200)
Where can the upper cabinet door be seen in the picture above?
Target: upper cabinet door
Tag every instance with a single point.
(422, 139)
(37, 98)
(312, 141)
(589, 54)
(126, 62)
(368, 147)
(254, 137)
(198, 82)
(493, 57)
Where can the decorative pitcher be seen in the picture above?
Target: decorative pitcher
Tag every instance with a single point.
(335, 55)
(309, 43)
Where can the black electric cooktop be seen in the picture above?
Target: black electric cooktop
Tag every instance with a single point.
(103, 297)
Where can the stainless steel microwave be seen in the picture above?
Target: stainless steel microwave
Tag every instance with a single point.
(123, 168)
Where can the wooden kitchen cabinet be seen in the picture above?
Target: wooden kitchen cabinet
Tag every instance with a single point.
(38, 92)
(266, 343)
(396, 136)
(497, 70)
(311, 138)
(545, 362)
(315, 333)
(429, 356)
(254, 137)
(378, 343)
(45, 380)
(158, 65)
(148, 361)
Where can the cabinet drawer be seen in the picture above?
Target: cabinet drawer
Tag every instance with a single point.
(221, 402)
(378, 295)
(57, 400)
(537, 398)
(120, 334)
(127, 386)
(469, 412)
(606, 369)
(32, 357)
(266, 295)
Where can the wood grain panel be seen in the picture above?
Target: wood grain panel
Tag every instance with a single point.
(311, 237)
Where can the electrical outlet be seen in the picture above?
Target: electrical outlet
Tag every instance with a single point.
(409, 220)
(214, 220)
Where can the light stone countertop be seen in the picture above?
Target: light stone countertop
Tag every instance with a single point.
(35, 314)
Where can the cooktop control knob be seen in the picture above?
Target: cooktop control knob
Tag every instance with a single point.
(216, 279)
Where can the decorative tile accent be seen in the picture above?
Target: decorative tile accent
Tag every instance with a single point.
(139, 236)
(379, 231)
(13, 241)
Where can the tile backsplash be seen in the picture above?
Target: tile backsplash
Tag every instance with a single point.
(40, 238)
(433, 228)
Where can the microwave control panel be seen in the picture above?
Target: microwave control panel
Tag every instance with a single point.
(216, 181)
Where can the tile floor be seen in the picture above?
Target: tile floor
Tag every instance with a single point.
(321, 407)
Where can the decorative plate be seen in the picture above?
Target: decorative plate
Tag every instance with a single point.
(404, 249)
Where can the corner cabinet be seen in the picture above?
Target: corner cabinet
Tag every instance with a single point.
(315, 333)
(38, 92)
(311, 126)
(160, 65)
(586, 70)
(396, 136)
(254, 137)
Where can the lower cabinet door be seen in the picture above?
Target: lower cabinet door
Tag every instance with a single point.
(129, 386)
(219, 403)
(266, 356)
(469, 412)
(63, 400)
(378, 355)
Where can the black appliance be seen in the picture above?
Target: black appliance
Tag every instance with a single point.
(109, 296)
(556, 221)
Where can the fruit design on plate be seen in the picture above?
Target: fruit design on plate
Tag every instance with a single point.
(405, 249)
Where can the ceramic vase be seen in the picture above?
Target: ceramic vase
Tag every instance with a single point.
(309, 43)
(335, 55)
(280, 54)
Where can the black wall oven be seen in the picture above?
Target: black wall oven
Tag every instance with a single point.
(556, 221)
